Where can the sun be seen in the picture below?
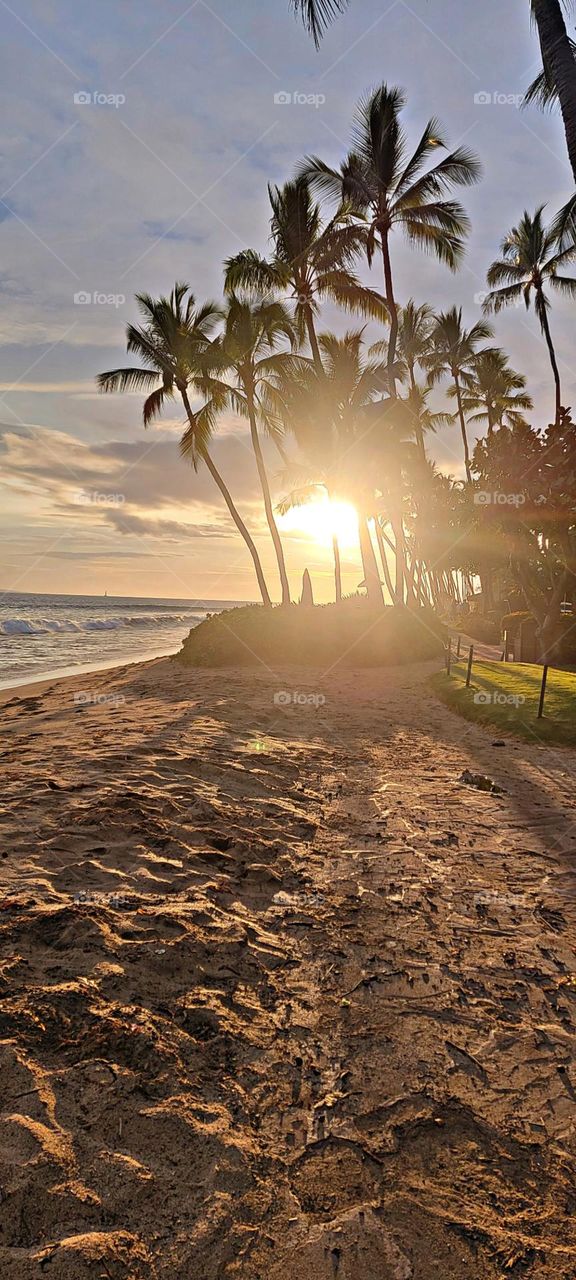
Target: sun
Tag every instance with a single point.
(323, 520)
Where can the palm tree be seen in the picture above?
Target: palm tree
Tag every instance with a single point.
(387, 191)
(245, 351)
(415, 325)
(494, 393)
(531, 258)
(453, 353)
(341, 444)
(173, 343)
(556, 47)
(311, 261)
(558, 59)
(416, 417)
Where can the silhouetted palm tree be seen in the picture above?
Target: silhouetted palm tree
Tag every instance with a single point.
(453, 353)
(388, 191)
(245, 352)
(531, 258)
(311, 260)
(558, 60)
(173, 344)
(328, 414)
(494, 393)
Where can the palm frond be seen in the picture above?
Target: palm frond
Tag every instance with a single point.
(127, 380)
(317, 14)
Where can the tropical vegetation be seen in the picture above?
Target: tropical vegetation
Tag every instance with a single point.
(343, 380)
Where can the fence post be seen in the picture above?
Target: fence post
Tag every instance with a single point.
(505, 649)
(543, 692)
(469, 671)
(449, 656)
(458, 647)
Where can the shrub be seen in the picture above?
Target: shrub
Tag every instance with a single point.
(486, 630)
(353, 632)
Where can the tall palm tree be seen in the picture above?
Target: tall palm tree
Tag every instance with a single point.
(494, 393)
(415, 325)
(558, 59)
(453, 353)
(555, 45)
(328, 414)
(389, 191)
(532, 258)
(311, 261)
(173, 343)
(246, 354)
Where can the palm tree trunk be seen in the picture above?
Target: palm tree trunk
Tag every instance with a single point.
(391, 301)
(418, 432)
(313, 340)
(369, 562)
(285, 585)
(384, 558)
(398, 531)
(559, 63)
(227, 496)
(337, 570)
(543, 316)
(463, 428)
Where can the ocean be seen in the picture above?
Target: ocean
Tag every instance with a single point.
(53, 635)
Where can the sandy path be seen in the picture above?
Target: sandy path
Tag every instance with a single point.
(281, 998)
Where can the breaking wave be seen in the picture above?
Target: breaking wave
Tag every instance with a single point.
(51, 626)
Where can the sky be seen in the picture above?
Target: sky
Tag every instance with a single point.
(137, 142)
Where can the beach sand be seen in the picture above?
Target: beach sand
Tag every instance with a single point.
(282, 998)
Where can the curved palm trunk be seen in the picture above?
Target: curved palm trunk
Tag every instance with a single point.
(391, 301)
(369, 562)
(237, 518)
(382, 549)
(265, 486)
(551, 352)
(463, 428)
(559, 62)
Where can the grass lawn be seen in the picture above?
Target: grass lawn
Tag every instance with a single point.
(505, 696)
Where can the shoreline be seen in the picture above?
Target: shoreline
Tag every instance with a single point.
(37, 685)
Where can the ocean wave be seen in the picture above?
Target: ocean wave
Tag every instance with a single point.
(50, 626)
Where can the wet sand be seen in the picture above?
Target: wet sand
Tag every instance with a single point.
(282, 998)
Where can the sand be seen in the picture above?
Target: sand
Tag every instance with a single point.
(282, 998)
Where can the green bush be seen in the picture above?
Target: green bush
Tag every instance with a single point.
(486, 630)
(354, 633)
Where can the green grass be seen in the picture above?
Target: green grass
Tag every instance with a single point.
(518, 681)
